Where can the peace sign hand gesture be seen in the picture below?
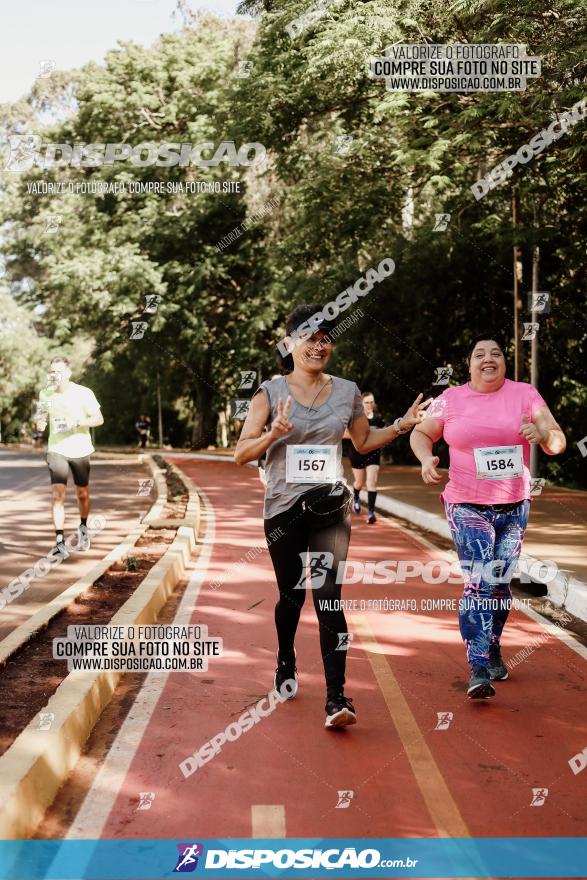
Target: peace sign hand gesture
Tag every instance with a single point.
(281, 425)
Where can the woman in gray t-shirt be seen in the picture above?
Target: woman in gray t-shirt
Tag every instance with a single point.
(299, 420)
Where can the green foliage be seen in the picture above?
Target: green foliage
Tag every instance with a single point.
(345, 209)
(24, 355)
(131, 563)
(412, 155)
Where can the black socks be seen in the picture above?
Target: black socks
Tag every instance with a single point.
(371, 496)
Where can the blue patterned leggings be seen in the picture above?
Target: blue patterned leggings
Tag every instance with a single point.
(488, 542)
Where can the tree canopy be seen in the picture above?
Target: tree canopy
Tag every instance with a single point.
(353, 173)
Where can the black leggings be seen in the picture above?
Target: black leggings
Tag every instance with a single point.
(328, 547)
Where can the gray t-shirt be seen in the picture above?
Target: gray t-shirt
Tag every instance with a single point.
(322, 426)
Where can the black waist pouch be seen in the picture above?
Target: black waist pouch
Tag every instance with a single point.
(327, 505)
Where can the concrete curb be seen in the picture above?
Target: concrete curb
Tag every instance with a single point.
(34, 767)
(160, 486)
(23, 633)
(192, 512)
(564, 591)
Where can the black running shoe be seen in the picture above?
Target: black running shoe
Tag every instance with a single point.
(286, 671)
(480, 684)
(371, 518)
(356, 505)
(340, 712)
(497, 668)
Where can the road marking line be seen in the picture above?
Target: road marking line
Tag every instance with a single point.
(440, 802)
(100, 799)
(267, 820)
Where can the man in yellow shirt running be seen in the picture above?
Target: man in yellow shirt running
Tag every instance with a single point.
(71, 410)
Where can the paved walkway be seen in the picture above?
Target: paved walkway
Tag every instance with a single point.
(27, 529)
(423, 760)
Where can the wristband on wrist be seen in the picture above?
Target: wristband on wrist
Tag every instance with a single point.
(397, 426)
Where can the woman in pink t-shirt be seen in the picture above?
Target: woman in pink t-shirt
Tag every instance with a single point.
(489, 424)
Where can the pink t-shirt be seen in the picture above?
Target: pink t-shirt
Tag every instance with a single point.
(473, 419)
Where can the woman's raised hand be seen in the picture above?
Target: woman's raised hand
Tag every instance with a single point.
(415, 414)
(281, 425)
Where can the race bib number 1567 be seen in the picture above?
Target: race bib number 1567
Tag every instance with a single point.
(310, 464)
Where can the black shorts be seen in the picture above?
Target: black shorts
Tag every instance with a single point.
(359, 461)
(59, 467)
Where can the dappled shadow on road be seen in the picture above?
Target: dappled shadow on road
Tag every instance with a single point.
(28, 533)
(493, 750)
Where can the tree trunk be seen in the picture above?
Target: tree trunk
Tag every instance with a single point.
(534, 319)
(517, 272)
(205, 416)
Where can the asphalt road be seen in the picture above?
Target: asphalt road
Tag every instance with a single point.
(27, 533)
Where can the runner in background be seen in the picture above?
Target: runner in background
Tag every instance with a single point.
(489, 424)
(307, 521)
(143, 427)
(366, 467)
(71, 410)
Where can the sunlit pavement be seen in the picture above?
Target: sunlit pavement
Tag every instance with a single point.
(423, 760)
(27, 529)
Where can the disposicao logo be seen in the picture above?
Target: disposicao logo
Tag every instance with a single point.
(19, 153)
(187, 860)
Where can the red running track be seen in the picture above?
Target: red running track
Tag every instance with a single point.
(408, 778)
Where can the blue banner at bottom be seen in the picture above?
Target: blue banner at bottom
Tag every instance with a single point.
(288, 858)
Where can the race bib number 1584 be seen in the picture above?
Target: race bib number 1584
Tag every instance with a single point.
(499, 462)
